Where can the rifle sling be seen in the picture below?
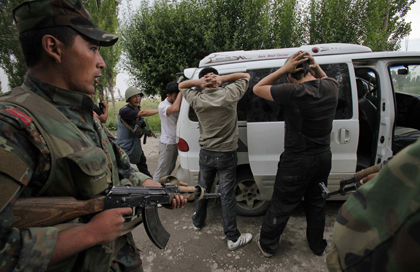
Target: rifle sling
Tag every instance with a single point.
(129, 226)
(127, 125)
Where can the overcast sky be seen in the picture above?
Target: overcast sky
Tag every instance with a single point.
(412, 43)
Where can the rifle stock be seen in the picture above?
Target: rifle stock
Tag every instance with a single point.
(32, 212)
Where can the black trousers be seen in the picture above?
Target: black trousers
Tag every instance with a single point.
(142, 166)
(297, 177)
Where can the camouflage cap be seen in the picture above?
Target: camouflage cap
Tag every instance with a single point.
(51, 13)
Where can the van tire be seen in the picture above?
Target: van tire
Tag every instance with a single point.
(247, 196)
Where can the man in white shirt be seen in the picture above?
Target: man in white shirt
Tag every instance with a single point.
(168, 112)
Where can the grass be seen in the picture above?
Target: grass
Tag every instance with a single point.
(146, 104)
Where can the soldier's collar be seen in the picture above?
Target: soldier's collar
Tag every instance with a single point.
(58, 95)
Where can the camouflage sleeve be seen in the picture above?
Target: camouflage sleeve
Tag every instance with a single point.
(29, 250)
(125, 170)
(377, 228)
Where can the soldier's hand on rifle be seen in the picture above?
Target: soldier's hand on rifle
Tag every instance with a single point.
(105, 104)
(107, 226)
(183, 183)
(178, 202)
(366, 179)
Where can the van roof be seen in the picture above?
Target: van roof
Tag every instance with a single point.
(282, 53)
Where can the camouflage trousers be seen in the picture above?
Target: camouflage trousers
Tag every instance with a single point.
(128, 258)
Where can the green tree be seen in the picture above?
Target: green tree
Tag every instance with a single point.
(378, 24)
(232, 25)
(105, 16)
(332, 21)
(12, 60)
(162, 40)
(384, 23)
(169, 36)
(165, 37)
(287, 24)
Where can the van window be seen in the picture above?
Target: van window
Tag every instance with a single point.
(253, 108)
(261, 110)
(406, 78)
(406, 84)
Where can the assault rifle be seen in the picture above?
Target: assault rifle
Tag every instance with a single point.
(101, 97)
(49, 211)
(354, 181)
(144, 125)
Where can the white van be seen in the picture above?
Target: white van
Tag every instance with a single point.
(377, 115)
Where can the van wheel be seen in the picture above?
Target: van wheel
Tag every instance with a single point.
(248, 197)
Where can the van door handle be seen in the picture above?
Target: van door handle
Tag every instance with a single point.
(344, 136)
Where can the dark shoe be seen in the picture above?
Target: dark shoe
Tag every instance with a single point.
(322, 253)
(265, 254)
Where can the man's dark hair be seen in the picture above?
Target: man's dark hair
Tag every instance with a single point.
(172, 87)
(302, 73)
(31, 41)
(207, 70)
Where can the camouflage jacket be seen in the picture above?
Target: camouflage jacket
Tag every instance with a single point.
(19, 136)
(378, 227)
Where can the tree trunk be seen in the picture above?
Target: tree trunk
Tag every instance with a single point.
(111, 91)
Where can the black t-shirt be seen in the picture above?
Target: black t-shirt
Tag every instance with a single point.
(97, 110)
(309, 110)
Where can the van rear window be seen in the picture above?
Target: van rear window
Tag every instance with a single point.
(261, 110)
(253, 108)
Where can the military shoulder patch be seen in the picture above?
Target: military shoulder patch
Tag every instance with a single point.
(21, 118)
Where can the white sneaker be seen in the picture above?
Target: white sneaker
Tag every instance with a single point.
(244, 239)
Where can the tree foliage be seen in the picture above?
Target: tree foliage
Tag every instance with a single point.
(12, 60)
(287, 25)
(378, 24)
(164, 37)
(160, 41)
(105, 16)
(384, 24)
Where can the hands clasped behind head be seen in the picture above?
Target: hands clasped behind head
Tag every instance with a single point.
(210, 80)
(295, 60)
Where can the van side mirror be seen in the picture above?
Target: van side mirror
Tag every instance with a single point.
(403, 71)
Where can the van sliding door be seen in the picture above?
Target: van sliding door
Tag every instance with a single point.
(265, 129)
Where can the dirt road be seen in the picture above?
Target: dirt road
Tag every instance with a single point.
(206, 250)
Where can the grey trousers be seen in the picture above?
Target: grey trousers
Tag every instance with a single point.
(168, 154)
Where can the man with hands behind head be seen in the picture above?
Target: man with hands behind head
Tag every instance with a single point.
(216, 111)
(168, 113)
(51, 144)
(309, 101)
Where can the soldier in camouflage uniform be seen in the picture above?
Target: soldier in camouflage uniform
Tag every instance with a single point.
(378, 227)
(52, 145)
